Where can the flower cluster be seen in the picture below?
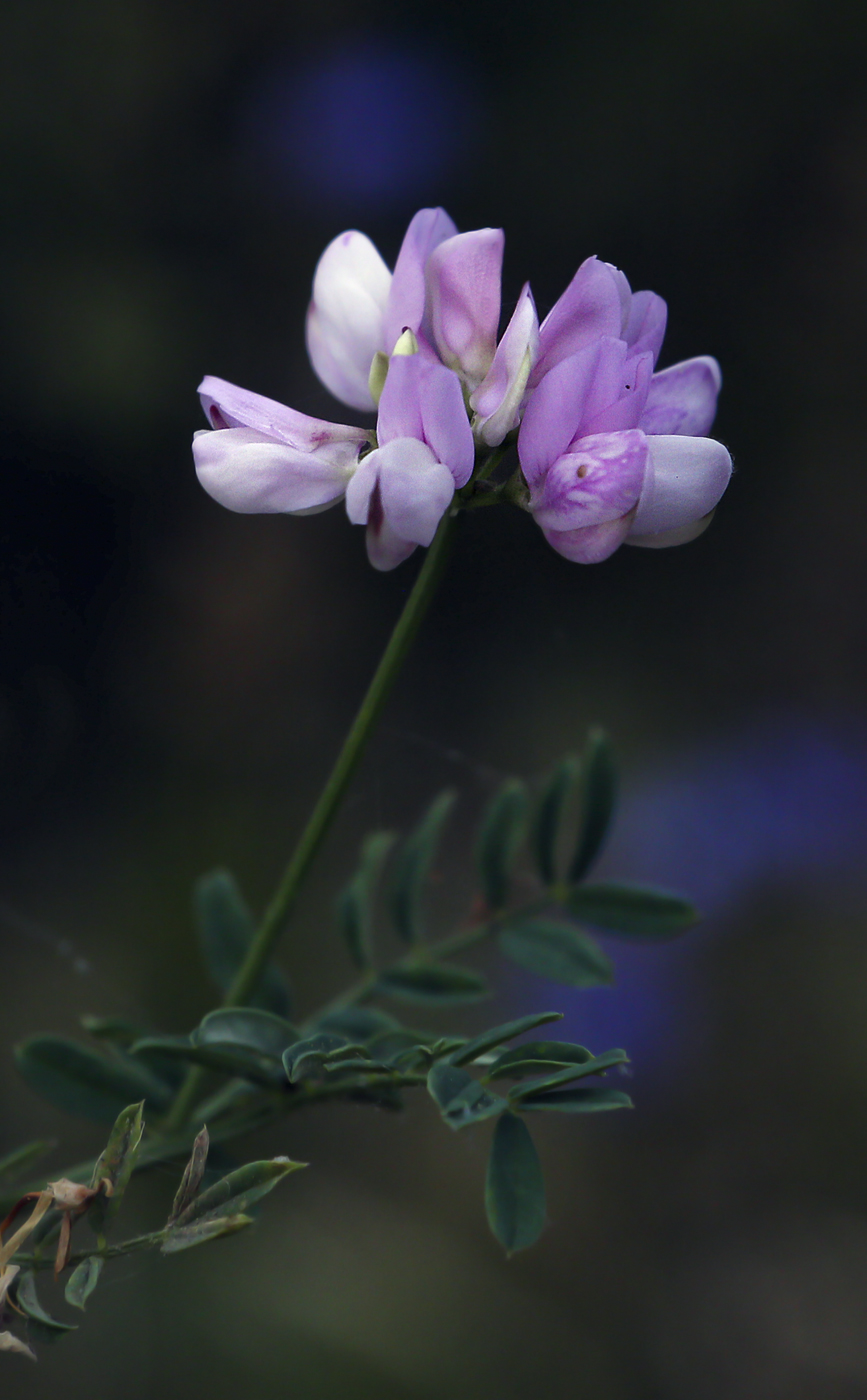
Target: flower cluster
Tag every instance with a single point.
(609, 449)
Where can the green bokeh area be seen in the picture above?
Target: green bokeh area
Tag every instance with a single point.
(174, 681)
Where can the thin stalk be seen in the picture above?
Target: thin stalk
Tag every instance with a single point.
(269, 931)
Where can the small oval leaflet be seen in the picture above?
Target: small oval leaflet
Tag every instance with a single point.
(549, 817)
(598, 778)
(500, 836)
(597, 1065)
(411, 867)
(636, 911)
(82, 1281)
(582, 1100)
(514, 1188)
(433, 982)
(557, 951)
(79, 1080)
(536, 1055)
(260, 1031)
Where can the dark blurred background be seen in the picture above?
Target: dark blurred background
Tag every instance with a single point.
(174, 679)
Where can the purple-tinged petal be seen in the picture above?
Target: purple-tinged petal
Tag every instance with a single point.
(416, 489)
(345, 320)
(400, 402)
(682, 399)
(446, 427)
(645, 325)
(592, 544)
(463, 278)
(626, 411)
(228, 406)
(422, 399)
(407, 297)
(497, 401)
(599, 480)
(385, 548)
(401, 493)
(625, 293)
(666, 538)
(249, 472)
(686, 476)
(590, 307)
(573, 393)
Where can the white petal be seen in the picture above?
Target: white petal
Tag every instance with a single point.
(665, 538)
(345, 322)
(686, 476)
(251, 473)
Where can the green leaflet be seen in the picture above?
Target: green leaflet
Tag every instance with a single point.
(433, 982)
(236, 1061)
(188, 1236)
(115, 1164)
(598, 776)
(26, 1298)
(634, 910)
(598, 1065)
(534, 1056)
(355, 902)
(411, 867)
(582, 1100)
(461, 1099)
(549, 818)
(514, 1188)
(500, 835)
(260, 1031)
(82, 1281)
(83, 1082)
(480, 1044)
(233, 1194)
(556, 950)
(226, 929)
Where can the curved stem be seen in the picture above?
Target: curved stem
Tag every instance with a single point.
(271, 927)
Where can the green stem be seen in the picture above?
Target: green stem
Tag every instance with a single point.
(264, 942)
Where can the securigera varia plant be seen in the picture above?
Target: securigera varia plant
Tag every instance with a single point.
(569, 420)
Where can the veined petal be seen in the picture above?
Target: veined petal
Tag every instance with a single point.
(407, 296)
(682, 399)
(228, 406)
(345, 321)
(645, 324)
(463, 278)
(599, 480)
(591, 306)
(571, 395)
(497, 401)
(592, 544)
(248, 471)
(685, 479)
